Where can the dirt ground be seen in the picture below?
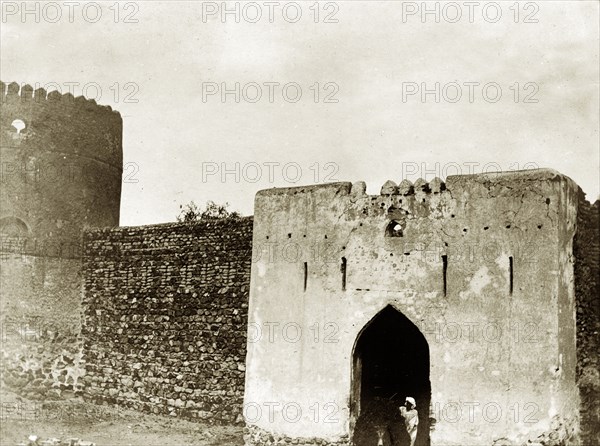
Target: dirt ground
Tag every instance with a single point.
(104, 425)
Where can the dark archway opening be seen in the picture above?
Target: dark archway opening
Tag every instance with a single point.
(13, 226)
(390, 363)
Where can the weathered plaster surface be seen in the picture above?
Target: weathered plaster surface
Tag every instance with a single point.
(500, 365)
(59, 174)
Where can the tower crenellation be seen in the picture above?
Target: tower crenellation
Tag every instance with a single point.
(61, 168)
(60, 150)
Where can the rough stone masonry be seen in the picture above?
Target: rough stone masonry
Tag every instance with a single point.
(165, 317)
(482, 290)
(60, 172)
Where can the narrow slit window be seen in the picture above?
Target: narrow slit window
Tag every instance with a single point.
(445, 273)
(511, 275)
(343, 269)
(305, 275)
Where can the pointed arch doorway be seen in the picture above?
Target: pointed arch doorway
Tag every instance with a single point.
(390, 363)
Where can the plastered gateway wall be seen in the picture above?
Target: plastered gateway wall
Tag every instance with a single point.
(475, 274)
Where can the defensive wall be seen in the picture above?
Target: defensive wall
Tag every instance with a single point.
(165, 317)
(460, 294)
(61, 165)
(478, 297)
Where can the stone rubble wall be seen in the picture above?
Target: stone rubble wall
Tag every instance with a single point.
(165, 317)
(40, 324)
(587, 291)
(61, 171)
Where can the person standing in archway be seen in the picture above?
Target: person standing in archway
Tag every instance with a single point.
(411, 418)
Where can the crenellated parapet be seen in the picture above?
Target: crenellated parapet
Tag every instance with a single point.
(61, 123)
(60, 172)
(406, 187)
(424, 257)
(61, 166)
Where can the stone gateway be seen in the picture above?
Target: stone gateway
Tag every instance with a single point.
(315, 320)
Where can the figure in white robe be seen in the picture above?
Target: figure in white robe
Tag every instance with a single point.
(411, 418)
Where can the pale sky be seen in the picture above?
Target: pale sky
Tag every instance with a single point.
(370, 58)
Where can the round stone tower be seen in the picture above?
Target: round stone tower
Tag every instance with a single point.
(61, 167)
